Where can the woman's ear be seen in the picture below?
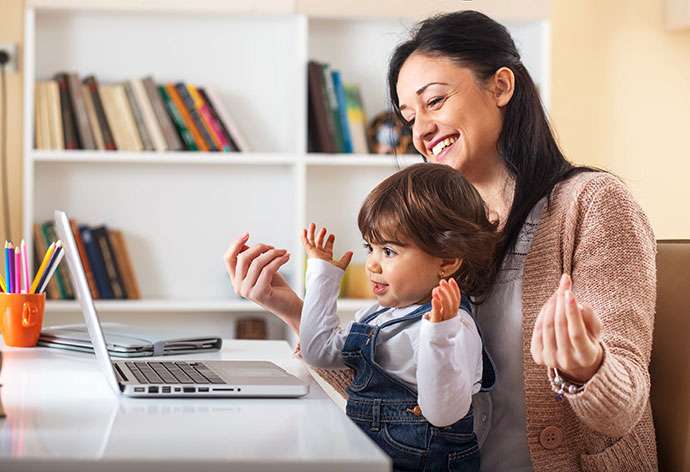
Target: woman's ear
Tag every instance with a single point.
(503, 86)
(449, 267)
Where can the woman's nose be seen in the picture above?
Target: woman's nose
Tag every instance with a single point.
(424, 129)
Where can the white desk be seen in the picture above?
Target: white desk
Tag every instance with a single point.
(62, 416)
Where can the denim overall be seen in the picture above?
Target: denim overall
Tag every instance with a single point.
(386, 409)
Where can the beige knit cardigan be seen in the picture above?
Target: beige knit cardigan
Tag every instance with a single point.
(595, 231)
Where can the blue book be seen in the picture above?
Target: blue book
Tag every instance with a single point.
(93, 252)
(342, 111)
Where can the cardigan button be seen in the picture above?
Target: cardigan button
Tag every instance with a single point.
(551, 437)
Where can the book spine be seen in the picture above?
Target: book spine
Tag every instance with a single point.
(100, 234)
(319, 113)
(55, 114)
(194, 115)
(96, 260)
(40, 125)
(332, 102)
(234, 145)
(356, 119)
(342, 111)
(108, 140)
(188, 122)
(125, 264)
(93, 119)
(214, 101)
(83, 256)
(129, 127)
(149, 116)
(81, 119)
(146, 142)
(172, 138)
(63, 284)
(187, 138)
(214, 128)
(68, 125)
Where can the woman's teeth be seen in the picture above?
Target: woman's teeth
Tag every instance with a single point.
(441, 145)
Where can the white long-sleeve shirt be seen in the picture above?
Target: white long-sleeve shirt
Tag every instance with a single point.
(442, 361)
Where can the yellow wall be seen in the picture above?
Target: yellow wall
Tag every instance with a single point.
(621, 100)
(11, 31)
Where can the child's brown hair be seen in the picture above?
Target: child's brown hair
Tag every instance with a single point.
(433, 206)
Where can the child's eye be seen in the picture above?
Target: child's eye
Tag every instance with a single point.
(388, 252)
(367, 246)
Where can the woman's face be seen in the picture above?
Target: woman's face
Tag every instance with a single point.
(455, 120)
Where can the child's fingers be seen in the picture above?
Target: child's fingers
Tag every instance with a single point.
(319, 238)
(447, 299)
(305, 240)
(310, 233)
(345, 260)
(329, 242)
(455, 292)
(436, 314)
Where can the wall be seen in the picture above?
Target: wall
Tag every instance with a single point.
(621, 100)
(11, 31)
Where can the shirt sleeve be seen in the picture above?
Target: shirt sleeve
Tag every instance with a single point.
(449, 363)
(321, 337)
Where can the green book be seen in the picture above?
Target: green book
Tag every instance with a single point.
(186, 136)
(333, 107)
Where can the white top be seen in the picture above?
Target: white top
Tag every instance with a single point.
(62, 415)
(443, 361)
(500, 415)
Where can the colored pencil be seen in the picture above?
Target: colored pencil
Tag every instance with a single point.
(17, 270)
(48, 272)
(3, 287)
(42, 267)
(25, 264)
(59, 254)
(9, 265)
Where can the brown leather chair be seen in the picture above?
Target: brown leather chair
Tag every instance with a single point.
(670, 373)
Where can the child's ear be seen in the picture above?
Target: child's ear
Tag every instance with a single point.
(449, 267)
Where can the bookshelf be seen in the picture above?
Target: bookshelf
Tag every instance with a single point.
(180, 210)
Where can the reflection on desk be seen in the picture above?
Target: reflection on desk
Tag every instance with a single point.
(61, 415)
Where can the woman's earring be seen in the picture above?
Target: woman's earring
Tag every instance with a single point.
(441, 274)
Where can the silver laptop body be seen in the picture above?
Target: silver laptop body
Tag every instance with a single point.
(172, 378)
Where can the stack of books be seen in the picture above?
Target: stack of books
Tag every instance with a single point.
(135, 115)
(337, 122)
(104, 256)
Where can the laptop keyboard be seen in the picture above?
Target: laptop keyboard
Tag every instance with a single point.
(173, 373)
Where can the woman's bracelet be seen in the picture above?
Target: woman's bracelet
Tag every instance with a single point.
(561, 386)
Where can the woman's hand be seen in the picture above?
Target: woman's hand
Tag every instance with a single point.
(566, 335)
(320, 247)
(445, 301)
(254, 275)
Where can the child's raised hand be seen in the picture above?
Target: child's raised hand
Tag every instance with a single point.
(321, 247)
(445, 301)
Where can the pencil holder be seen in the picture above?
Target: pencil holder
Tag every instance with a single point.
(22, 318)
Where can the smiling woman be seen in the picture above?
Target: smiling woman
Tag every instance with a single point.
(572, 283)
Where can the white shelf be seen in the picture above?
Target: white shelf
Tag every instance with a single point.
(363, 160)
(157, 306)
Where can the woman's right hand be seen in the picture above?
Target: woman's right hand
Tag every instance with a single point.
(254, 275)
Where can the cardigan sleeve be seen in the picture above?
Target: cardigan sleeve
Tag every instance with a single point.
(614, 271)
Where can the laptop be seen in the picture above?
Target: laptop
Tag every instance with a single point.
(175, 378)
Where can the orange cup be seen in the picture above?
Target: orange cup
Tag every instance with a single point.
(22, 318)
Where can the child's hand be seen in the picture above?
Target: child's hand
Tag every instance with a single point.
(445, 301)
(320, 248)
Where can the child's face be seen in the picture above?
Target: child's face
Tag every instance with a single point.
(401, 274)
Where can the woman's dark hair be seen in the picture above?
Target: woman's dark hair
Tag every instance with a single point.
(526, 143)
(435, 208)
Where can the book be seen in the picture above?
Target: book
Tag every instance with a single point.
(40, 248)
(172, 138)
(356, 119)
(149, 116)
(124, 262)
(55, 120)
(68, 125)
(93, 119)
(342, 111)
(96, 261)
(83, 256)
(195, 116)
(140, 126)
(107, 134)
(319, 111)
(62, 274)
(212, 97)
(120, 117)
(41, 127)
(221, 141)
(332, 101)
(186, 118)
(100, 235)
(187, 139)
(81, 119)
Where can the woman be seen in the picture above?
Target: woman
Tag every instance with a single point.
(572, 304)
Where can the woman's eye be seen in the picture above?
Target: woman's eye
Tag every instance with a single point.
(434, 102)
